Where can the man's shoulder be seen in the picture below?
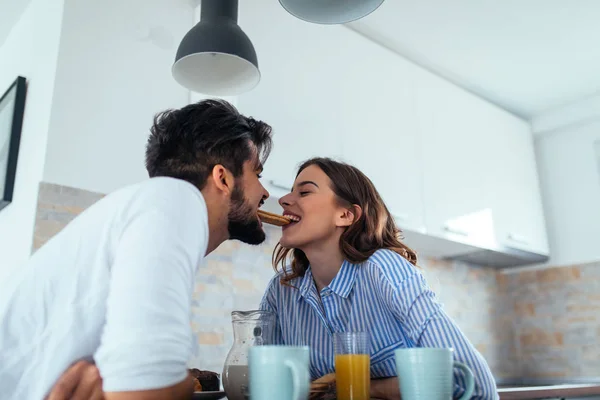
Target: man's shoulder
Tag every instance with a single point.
(168, 202)
(165, 187)
(161, 193)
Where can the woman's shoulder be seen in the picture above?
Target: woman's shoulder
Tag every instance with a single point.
(277, 282)
(392, 266)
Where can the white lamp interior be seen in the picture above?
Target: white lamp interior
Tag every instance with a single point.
(330, 11)
(216, 74)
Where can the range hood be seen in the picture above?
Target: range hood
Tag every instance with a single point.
(489, 254)
(505, 257)
(493, 255)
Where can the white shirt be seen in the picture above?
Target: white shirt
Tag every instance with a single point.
(115, 286)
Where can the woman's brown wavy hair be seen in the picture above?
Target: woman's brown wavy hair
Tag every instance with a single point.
(373, 230)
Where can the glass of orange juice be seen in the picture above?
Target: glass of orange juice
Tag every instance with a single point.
(352, 365)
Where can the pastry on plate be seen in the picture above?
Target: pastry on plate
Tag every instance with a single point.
(208, 381)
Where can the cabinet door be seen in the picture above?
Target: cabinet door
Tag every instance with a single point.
(299, 94)
(519, 216)
(303, 127)
(296, 137)
(328, 91)
(382, 137)
(456, 163)
(480, 178)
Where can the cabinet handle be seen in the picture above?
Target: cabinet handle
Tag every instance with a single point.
(455, 231)
(517, 238)
(280, 186)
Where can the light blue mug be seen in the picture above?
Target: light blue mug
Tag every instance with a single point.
(426, 373)
(279, 372)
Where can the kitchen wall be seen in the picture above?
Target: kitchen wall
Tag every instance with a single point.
(557, 305)
(109, 86)
(556, 320)
(527, 324)
(90, 102)
(570, 179)
(31, 51)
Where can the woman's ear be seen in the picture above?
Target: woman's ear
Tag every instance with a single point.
(350, 215)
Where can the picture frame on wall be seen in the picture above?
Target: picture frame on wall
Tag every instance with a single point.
(12, 109)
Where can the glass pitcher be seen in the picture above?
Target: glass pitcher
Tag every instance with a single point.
(250, 328)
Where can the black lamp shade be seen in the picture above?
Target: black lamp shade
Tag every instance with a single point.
(216, 57)
(330, 11)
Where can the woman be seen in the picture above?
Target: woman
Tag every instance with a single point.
(344, 268)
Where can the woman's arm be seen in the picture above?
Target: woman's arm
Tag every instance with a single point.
(417, 308)
(386, 389)
(269, 303)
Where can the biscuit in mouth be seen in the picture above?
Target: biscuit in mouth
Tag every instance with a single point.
(273, 219)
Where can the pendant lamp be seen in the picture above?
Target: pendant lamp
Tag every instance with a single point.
(330, 11)
(216, 57)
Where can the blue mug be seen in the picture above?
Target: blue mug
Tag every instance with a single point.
(279, 372)
(426, 373)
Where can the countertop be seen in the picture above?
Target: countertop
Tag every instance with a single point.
(581, 390)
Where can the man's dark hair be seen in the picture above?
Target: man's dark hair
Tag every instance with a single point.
(187, 143)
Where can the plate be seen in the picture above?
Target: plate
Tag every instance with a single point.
(208, 395)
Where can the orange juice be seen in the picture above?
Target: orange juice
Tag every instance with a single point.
(353, 376)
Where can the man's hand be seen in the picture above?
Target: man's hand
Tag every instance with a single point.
(81, 381)
(386, 389)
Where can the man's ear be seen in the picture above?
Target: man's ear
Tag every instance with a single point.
(348, 216)
(222, 178)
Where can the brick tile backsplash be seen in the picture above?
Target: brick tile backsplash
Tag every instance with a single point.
(527, 324)
(557, 323)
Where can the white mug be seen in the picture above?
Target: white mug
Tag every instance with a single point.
(279, 372)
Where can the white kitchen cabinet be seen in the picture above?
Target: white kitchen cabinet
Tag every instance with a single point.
(301, 129)
(299, 96)
(480, 178)
(453, 125)
(518, 212)
(350, 100)
(380, 128)
(450, 166)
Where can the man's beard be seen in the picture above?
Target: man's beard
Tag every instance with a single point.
(243, 221)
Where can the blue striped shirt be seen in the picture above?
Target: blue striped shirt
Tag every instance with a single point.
(385, 296)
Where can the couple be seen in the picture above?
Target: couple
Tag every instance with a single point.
(103, 309)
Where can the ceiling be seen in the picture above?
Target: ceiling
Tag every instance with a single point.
(525, 55)
(10, 12)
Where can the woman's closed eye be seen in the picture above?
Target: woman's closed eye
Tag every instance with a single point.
(302, 194)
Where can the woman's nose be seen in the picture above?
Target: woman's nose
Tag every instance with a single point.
(285, 200)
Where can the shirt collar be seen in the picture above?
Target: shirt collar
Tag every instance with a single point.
(341, 285)
(306, 284)
(343, 282)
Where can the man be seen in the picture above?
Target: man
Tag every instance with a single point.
(115, 286)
